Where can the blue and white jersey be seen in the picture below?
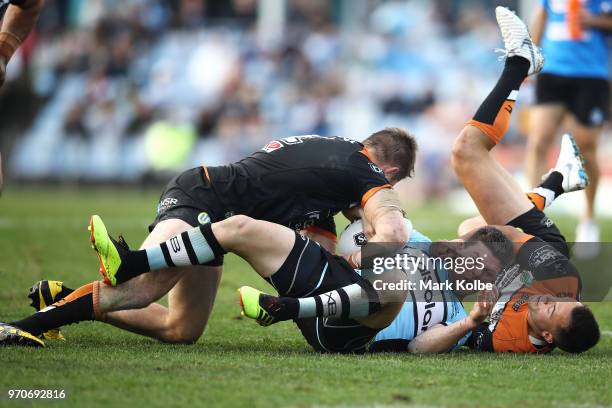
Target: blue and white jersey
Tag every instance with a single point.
(574, 52)
(423, 308)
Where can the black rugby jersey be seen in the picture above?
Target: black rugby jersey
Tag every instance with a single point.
(299, 181)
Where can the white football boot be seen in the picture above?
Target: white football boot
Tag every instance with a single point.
(571, 165)
(517, 40)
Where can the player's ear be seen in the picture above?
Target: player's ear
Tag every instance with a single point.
(548, 337)
(390, 171)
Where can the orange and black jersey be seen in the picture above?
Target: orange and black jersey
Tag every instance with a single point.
(300, 181)
(541, 268)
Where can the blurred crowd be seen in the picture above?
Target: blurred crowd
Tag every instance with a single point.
(120, 90)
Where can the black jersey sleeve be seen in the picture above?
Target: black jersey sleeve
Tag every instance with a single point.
(368, 178)
(481, 338)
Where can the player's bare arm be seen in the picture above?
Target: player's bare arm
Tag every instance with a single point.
(441, 338)
(383, 214)
(599, 22)
(19, 19)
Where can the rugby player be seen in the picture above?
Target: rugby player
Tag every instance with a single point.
(529, 317)
(327, 319)
(280, 255)
(539, 307)
(19, 18)
(300, 182)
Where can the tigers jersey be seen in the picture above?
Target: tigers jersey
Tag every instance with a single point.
(423, 308)
(541, 269)
(299, 181)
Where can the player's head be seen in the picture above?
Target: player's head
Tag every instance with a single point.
(394, 151)
(489, 245)
(567, 324)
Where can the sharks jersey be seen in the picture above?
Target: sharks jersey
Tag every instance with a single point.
(424, 308)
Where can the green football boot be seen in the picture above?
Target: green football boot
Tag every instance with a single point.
(253, 307)
(109, 252)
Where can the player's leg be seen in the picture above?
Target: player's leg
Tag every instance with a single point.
(94, 300)
(190, 303)
(497, 195)
(588, 139)
(568, 175)
(263, 244)
(190, 300)
(544, 123)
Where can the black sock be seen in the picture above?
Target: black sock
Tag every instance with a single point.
(282, 308)
(554, 182)
(513, 75)
(65, 292)
(75, 311)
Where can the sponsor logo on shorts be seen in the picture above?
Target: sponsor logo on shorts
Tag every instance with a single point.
(375, 168)
(547, 222)
(542, 255)
(203, 218)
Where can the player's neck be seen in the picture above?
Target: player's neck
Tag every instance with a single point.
(532, 331)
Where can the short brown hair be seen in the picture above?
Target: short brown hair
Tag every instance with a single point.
(394, 147)
(581, 334)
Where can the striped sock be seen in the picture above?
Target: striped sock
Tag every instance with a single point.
(194, 247)
(348, 302)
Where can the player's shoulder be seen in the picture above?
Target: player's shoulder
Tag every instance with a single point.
(319, 145)
(511, 333)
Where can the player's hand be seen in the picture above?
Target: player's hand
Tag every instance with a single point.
(368, 228)
(587, 19)
(354, 260)
(483, 306)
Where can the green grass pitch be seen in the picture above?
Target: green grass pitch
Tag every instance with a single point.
(237, 363)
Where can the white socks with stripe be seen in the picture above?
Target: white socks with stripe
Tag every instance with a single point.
(194, 247)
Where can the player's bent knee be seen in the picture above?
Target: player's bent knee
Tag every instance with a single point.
(240, 224)
(463, 150)
(181, 335)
